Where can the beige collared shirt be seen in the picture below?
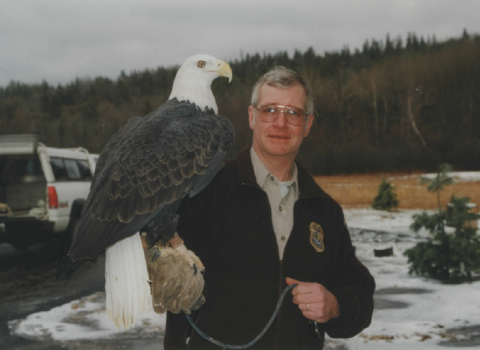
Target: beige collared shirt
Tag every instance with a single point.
(281, 195)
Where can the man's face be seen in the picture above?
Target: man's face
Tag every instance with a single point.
(279, 138)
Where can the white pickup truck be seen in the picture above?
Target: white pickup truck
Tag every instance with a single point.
(42, 190)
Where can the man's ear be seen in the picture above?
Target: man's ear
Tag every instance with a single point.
(308, 125)
(251, 116)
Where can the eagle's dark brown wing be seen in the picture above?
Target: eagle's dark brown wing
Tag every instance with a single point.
(174, 150)
(112, 145)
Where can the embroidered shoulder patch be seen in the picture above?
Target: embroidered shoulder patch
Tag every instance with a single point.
(316, 237)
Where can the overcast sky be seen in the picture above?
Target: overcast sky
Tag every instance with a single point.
(60, 40)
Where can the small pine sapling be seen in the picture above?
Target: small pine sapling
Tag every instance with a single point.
(446, 256)
(386, 198)
(439, 182)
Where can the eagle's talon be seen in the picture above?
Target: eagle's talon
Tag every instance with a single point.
(155, 256)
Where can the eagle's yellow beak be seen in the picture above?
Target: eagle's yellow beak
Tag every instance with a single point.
(224, 70)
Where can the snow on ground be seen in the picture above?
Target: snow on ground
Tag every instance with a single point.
(85, 319)
(458, 176)
(414, 312)
(411, 312)
(389, 225)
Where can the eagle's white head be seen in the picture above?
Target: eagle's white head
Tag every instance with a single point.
(194, 79)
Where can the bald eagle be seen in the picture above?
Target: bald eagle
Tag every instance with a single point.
(142, 174)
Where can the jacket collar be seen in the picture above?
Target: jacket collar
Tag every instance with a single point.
(246, 175)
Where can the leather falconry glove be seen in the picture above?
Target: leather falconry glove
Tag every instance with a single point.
(176, 278)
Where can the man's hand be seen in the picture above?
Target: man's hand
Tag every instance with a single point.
(322, 305)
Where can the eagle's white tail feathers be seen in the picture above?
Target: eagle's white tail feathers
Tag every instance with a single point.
(127, 288)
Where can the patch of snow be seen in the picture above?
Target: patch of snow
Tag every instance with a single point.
(395, 223)
(458, 176)
(84, 319)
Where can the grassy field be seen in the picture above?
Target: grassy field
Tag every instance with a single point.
(358, 191)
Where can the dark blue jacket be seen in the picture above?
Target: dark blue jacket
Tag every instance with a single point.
(229, 227)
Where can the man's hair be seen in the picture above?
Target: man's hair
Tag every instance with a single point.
(282, 77)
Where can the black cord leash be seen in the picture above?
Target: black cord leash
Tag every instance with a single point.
(277, 308)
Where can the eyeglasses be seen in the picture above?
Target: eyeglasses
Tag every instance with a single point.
(269, 113)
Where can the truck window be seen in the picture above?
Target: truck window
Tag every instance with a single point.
(58, 169)
(15, 167)
(70, 169)
(84, 169)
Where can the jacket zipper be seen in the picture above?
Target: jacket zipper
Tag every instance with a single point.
(281, 271)
(281, 284)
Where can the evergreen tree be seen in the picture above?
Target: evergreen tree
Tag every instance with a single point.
(439, 182)
(446, 256)
(386, 198)
(389, 49)
(122, 92)
(45, 98)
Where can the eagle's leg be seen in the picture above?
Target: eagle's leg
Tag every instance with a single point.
(163, 227)
(174, 242)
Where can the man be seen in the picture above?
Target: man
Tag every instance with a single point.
(264, 223)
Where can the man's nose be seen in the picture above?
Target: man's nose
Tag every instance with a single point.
(281, 120)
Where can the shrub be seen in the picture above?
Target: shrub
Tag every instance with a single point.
(386, 198)
(446, 256)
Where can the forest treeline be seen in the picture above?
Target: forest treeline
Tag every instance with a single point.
(393, 105)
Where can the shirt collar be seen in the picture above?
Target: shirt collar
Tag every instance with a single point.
(262, 174)
(246, 176)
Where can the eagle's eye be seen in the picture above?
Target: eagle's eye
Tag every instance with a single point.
(201, 64)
